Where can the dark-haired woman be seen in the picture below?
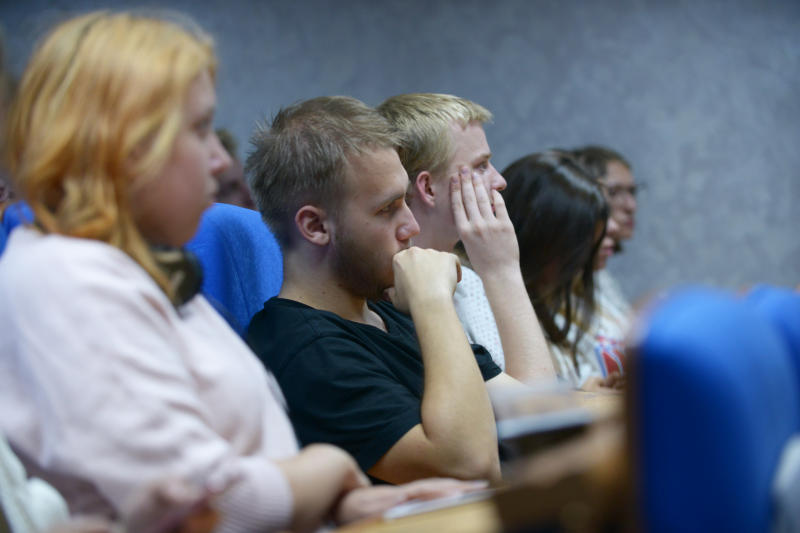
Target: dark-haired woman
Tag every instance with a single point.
(559, 214)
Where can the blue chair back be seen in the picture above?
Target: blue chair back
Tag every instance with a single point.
(781, 306)
(242, 262)
(714, 402)
(14, 215)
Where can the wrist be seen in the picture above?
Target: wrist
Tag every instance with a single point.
(430, 303)
(503, 276)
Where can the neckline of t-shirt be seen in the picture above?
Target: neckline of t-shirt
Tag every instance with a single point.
(390, 326)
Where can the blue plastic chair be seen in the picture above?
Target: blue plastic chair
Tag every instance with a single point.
(781, 306)
(714, 402)
(14, 215)
(242, 262)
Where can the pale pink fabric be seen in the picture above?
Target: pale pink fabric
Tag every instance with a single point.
(106, 388)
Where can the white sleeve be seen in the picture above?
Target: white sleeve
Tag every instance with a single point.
(28, 504)
(475, 314)
(96, 357)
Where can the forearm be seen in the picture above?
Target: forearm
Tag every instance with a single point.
(527, 355)
(318, 476)
(456, 412)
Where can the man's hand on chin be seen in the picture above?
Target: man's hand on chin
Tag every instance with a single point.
(421, 274)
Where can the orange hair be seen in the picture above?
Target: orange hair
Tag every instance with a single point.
(99, 107)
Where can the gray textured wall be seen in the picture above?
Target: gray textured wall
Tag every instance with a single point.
(703, 97)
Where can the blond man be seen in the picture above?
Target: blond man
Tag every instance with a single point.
(453, 193)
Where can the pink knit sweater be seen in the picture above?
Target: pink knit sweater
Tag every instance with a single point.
(106, 388)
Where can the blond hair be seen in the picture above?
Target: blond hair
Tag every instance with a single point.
(424, 121)
(99, 106)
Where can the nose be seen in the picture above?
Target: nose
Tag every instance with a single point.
(409, 226)
(498, 182)
(220, 158)
(630, 203)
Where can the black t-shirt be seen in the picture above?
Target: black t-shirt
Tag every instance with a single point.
(348, 384)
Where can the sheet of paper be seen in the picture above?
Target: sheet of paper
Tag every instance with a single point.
(423, 506)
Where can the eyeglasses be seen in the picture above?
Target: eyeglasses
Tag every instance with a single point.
(616, 194)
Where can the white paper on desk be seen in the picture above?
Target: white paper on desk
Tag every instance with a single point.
(423, 506)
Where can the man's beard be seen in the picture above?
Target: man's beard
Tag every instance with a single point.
(360, 270)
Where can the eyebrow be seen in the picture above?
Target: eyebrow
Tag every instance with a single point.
(390, 200)
(483, 157)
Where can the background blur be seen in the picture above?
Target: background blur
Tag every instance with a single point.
(703, 98)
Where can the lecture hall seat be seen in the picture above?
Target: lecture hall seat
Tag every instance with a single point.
(781, 307)
(14, 215)
(241, 260)
(714, 401)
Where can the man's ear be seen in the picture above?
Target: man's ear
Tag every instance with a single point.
(423, 188)
(312, 223)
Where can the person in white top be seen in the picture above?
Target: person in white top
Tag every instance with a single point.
(114, 375)
(454, 195)
(613, 311)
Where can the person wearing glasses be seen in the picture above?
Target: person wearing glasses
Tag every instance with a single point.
(614, 174)
(612, 310)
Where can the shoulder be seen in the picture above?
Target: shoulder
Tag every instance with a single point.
(603, 280)
(286, 332)
(609, 294)
(607, 283)
(471, 303)
(68, 267)
(74, 293)
(283, 319)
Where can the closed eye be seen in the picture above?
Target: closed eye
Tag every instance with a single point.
(203, 125)
(392, 206)
(203, 129)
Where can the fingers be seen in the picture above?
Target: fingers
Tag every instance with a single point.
(500, 210)
(482, 199)
(592, 384)
(468, 199)
(457, 202)
(615, 380)
(388, 294)
(423, 273)
(477, 212)
(366, 502)
(468, 194)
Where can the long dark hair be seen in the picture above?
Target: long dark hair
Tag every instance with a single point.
(556, 209)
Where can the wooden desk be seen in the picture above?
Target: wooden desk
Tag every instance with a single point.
(602, 404)
(576, 486)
